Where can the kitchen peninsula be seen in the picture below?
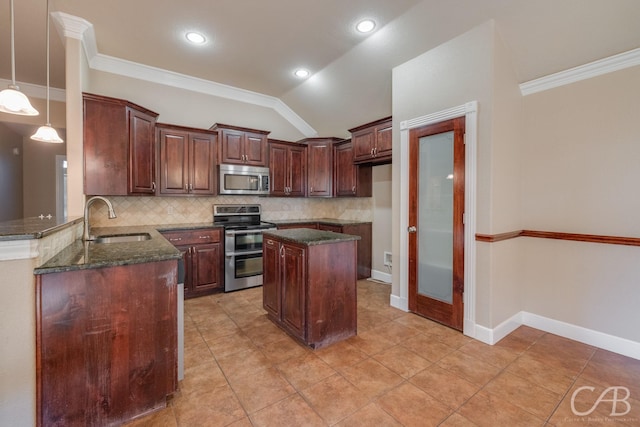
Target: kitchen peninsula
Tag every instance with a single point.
(309, 285)
(106, 328)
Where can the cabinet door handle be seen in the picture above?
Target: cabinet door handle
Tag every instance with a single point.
(371, 151)
(153, 186)
(353, 189)
(311, 189)
(175, 239)
(204, 237)
(282, 251)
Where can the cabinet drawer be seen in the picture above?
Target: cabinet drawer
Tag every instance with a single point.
(193, 237)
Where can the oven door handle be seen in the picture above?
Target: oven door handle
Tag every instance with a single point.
(231, 254)
(257, 231)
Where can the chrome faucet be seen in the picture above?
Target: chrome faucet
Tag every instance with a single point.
(112, 214)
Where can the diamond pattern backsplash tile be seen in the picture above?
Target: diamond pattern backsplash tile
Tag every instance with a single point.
(179, 210)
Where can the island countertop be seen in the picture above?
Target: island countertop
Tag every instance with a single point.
(310, 237)
(327, 221)
(88, 255)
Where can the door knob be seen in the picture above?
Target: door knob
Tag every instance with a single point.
(412, 229)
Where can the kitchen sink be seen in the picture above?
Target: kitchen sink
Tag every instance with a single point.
(122, 238)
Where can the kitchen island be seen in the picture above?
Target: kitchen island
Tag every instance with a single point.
(344, 226)
(309, 284)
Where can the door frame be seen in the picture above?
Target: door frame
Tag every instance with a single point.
(470, 112)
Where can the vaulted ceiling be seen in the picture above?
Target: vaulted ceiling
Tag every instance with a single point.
(256, 44)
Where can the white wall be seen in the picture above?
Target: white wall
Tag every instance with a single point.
(10, 174)
(17, 338)
(39, 177)
(382, 208)
(473, 66)
(187, 108)
(580, 175)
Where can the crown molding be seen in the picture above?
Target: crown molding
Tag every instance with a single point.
(582, 72)
(78, 28)
(38, 91)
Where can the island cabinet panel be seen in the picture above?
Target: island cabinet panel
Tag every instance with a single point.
(106, 343)
(310, 290)
(271, 277)
(293, 277)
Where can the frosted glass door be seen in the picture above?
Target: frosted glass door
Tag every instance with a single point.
(435, 217)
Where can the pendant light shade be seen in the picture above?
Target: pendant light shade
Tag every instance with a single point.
(13, 101)
(46, 133)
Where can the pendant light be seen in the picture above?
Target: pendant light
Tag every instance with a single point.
(13, 101)
(46, 133)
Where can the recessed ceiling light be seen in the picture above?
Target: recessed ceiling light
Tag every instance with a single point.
(366, 26)
(301, 73)
(195, 38)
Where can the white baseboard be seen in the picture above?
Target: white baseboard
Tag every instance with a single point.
(577, 333)
(399, 303)
(588, 336)
(492, 336)
(381, 276)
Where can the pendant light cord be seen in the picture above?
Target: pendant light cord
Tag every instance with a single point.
(13, 49)
(48, 122)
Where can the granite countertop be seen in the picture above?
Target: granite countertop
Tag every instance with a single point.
(328, 221)
(34, 227)
(310, 237)
(185, 226)
(87, 255)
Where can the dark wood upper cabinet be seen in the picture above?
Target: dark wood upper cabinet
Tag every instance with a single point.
(349, 179)
(119, 147)
(372, 142)
(320, 166)
(142, 153)
(187, 160)
(287, 169)
(241, 146)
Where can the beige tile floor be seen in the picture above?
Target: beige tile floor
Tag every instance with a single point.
(400, 370)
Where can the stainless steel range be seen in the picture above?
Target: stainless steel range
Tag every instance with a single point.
(242, 244)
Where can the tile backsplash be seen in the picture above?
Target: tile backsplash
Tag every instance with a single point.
(178, 210)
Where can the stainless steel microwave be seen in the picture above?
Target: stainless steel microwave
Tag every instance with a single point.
(238, 179)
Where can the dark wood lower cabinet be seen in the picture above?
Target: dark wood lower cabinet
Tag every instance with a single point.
(106, 343)
(310, 291)
(203, 256)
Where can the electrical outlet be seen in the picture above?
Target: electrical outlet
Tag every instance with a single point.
(387, 259)
(170, 210)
